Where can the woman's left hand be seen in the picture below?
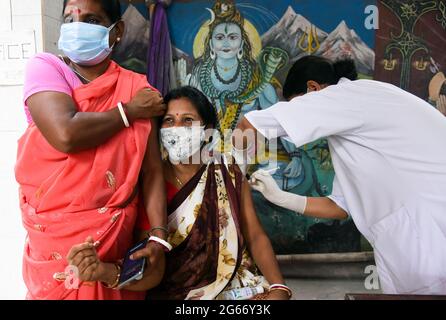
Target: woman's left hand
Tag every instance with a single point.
(277, 295)
(156, 261)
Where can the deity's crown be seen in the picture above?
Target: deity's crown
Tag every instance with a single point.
(225, 10)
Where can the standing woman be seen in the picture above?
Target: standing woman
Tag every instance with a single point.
(89, 138)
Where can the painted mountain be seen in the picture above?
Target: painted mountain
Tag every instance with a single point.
(287, 33)
(343, 42)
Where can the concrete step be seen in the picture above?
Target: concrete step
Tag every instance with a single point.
(327, 289)
(326, 276)
(326, 266)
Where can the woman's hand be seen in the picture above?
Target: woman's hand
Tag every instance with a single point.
(277, 295)
(146, 104)
(155, 256)
(156, 264)
(84, 257)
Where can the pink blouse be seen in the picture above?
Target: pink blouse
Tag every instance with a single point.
(47, 72)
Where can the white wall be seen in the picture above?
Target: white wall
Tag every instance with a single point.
(52, 20)
(15, 16)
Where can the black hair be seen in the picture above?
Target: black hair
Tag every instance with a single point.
(319, 69)
(111, 7)
(443, 89)
(198, 100)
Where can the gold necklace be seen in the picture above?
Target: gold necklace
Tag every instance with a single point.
(179, 181)
(180, 184)
(69, 64)
(78, 73)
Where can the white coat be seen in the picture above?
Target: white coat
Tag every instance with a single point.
(389, 154)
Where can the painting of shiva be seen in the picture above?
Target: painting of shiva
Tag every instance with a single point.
(238, 54)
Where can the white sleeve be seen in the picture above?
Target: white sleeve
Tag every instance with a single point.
(265, 123)
(337, 196)
(310, 117)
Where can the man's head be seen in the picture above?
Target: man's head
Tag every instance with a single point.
(312, 73)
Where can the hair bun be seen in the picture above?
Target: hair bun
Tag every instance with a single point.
(345, 68)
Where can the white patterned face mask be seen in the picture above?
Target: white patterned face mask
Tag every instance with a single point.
(182, 142)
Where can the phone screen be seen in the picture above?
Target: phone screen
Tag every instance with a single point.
(133, 269)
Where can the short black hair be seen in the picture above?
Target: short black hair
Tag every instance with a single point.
(111, 7)
(319, 69)
(198, 100)
(443, 89)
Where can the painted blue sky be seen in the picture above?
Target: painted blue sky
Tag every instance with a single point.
(186, 18)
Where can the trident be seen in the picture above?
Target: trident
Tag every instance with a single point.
(312, 41)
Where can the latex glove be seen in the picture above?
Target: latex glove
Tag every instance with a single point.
(263, 182)
(441, 104)
(294, 168)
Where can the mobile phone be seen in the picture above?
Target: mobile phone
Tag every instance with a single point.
(132, 270)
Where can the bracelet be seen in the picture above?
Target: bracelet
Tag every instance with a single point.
(126, 110)
(115, 284)
(281, 287)
(166, 245)
(158, 228)
(123, 116)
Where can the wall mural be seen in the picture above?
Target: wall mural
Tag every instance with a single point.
(239, 52)
(131, 53)
(411, 46)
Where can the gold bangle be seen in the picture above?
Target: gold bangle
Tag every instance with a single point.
(290, 293)
(118, 275)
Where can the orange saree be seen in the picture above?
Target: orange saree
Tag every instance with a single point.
(67, 197)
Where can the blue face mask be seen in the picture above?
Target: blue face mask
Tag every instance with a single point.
(85, 44)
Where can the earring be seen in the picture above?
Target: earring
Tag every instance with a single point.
(213, 55)
(240, 54)
(118, 40)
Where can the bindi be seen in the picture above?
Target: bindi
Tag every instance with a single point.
(75, 11)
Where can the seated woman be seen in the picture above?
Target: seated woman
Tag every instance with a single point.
(212, 223)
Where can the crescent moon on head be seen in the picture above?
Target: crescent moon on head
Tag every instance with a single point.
(212, 16)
